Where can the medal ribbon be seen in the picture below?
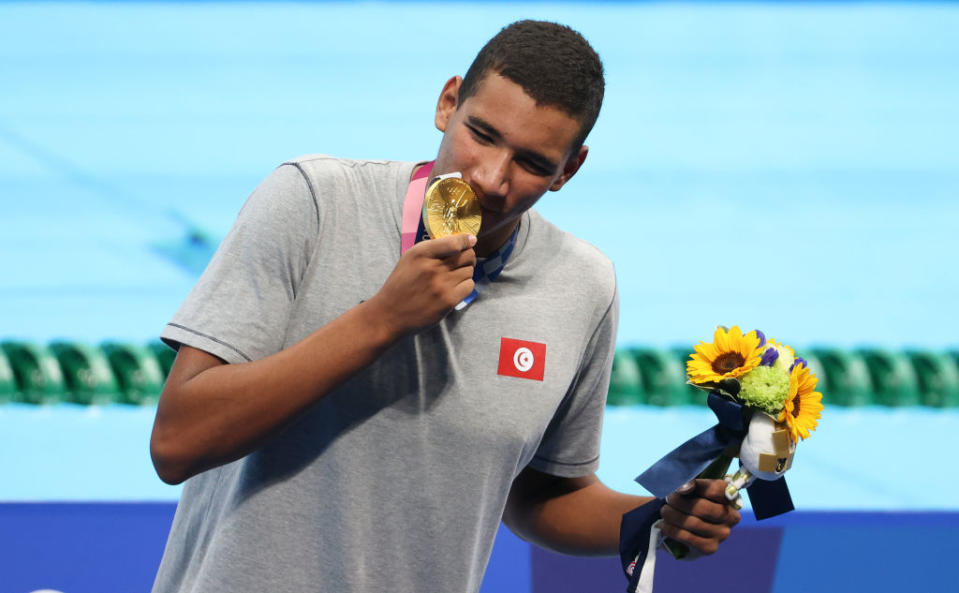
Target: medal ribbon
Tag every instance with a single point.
(413, 231)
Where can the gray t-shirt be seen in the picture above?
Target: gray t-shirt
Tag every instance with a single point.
(397, 480)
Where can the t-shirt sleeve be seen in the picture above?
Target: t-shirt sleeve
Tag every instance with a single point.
(239, 308)
(570, 446)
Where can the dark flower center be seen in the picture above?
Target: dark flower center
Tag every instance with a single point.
(796, 406)
(728, 361)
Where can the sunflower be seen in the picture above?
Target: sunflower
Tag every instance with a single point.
(731, 354)
(802, 407)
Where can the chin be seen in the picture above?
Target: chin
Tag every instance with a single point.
(492, 226)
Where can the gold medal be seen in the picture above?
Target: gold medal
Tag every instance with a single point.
(451, 207)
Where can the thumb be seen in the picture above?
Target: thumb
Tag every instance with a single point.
(450, 245)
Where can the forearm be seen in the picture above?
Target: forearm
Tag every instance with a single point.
(583, 518)
(229, 410)
(211, 413)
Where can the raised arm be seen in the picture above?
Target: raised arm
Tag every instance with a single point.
(211, 413)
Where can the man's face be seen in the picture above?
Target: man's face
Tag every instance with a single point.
(510, 150)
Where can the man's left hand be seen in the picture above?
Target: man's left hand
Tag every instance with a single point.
(699, 515)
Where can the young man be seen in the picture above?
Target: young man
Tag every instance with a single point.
(341, 426)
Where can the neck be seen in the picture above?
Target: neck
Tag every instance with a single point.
(487, 243)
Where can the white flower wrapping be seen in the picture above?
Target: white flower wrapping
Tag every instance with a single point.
(766, 453)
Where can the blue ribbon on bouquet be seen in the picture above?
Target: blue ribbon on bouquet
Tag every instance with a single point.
(685, 462)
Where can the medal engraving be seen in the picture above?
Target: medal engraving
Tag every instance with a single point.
(451, 207)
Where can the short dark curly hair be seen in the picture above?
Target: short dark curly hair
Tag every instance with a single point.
(553, 63)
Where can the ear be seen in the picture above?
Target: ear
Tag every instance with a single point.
(570, 168)
(447, 103)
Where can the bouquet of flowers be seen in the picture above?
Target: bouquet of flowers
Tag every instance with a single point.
(765, 399)
(775, 388)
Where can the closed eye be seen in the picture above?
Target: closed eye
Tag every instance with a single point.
(480, 136)
(529, 160)
(536, 168)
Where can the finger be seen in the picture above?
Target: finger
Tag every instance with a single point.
(443, 247)
(712, 489)
(461, 259)
(702, 544)
(463, 289)
(459, 275)
(695, 525)
(708, 510)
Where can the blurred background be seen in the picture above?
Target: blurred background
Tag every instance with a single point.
(775, 165)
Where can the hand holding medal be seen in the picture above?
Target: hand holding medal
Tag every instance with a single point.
(445, 207)
(433, 276)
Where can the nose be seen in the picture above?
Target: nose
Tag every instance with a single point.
(491, 176)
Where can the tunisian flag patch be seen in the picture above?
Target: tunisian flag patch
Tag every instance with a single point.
(522, 359)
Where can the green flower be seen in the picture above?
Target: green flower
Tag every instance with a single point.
(765, 388)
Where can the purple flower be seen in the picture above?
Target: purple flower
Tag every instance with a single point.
(769, 357)
(762, 337)
(799, 360)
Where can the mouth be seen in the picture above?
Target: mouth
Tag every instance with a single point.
(492, 206)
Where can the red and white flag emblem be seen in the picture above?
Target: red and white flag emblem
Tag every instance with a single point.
(522, 359)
